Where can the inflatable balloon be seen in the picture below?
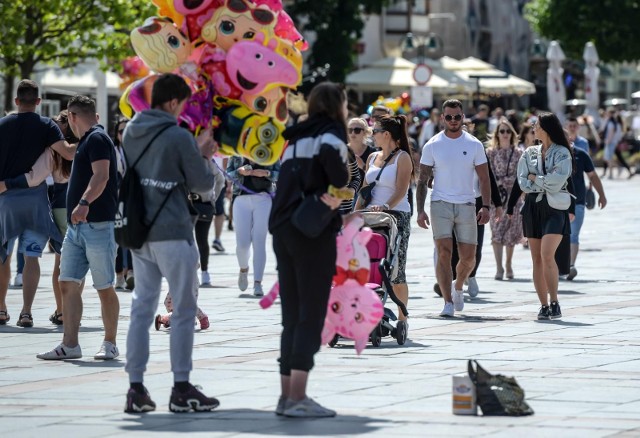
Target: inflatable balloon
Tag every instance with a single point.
(353, 312)
(161, 45)
(243, 132)
(271, 102)
(352, 261)
(133, 68)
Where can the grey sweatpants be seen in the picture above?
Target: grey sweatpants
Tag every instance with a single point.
(177, 261)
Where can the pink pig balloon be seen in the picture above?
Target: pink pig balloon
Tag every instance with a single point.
(353, 312)
(353, 258)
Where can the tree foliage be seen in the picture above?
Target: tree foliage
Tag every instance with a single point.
(65, 32)
(609, 24)
(338, 25)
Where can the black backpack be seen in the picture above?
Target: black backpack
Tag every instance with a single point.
(131, 229)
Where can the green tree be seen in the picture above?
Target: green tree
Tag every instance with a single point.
(338, 26)
(64, 32)
(609, 24)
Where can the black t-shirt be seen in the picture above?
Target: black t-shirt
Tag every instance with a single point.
(23, 138)
(256, 184)
(95, 145)
(583, 164)
(481, 129)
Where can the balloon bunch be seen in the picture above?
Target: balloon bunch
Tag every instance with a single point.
(240, 57)
(399, 105)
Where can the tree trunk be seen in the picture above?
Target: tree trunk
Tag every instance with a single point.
(8, 92)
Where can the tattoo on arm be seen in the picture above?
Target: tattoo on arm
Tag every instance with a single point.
(421, 190)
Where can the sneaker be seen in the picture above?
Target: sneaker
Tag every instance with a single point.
(307, 408)
(473, 288)
(121, 283)
(131, 284)
(257, 290)
(107, 351)
(17, 281)
(436, 289)
(572, 273)
(217, 245)
(458, 297)
(205, 280)
(204, 322)
(545, 313)
(61, 352)
(555, 312)
(192, 399)
(243, 280)
(139, 402)
(448, 310)
(283, 404)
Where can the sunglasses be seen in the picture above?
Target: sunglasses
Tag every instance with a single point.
(504, 131)
(262, 16)
(355, 130)
(449, 117)
(378, 130)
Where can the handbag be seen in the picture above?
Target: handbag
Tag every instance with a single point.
(590, 199)
(498, 394)
(366, 192)
(312, 216)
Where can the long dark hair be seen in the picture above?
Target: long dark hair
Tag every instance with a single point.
(327, 99)
(396, 126)
(60, 165)
(116, 126)
(552, 126)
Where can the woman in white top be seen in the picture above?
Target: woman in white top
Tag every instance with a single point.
(391, 190)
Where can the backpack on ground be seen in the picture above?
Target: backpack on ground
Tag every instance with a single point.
(131, 227)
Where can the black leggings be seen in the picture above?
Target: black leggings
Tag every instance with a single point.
(120, 260)
(202, 234)
(454, 253)
(305, 271)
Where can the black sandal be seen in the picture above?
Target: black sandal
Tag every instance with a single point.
(6, 317)
(27, 323)
(55, 318)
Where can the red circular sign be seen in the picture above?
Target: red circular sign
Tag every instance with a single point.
(422, 73)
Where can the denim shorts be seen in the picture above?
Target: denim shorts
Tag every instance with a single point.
(576, 225)
(89, 246)
(461, 218)
(30, 243)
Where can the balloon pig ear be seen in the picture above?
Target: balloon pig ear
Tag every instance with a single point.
(360, 344)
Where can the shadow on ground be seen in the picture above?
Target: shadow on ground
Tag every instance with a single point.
(252, 421)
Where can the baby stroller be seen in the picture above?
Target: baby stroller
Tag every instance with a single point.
(384, 267)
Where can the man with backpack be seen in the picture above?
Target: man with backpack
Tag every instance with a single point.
(170, 164)
(89, 242)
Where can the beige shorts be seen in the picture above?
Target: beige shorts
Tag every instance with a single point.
(461, 218)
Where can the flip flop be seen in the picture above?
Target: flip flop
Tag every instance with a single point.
(6, 317)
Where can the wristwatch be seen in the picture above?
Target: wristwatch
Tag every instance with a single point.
(83, 202)
(487, 207)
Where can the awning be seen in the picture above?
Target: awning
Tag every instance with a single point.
(394, 74)
(493, 80)
(83, 79)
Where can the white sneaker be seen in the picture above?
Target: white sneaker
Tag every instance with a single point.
(243, 280)
(473, 287)
(205, 280)
(458, 297)
(61, 352)
(107, 351)
(121, 284)
(448, 310)
(307, 408)
(17, 281)
(257, 290)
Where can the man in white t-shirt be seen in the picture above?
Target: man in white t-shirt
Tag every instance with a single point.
(453, 156)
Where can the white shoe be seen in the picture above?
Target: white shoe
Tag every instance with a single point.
(448, 310)
(473, 288)
(458, 297)
(205, 280)
(107, 351)
(243, 280)
(61, 352)
(121, 284)
(17, 281)
(257, 290)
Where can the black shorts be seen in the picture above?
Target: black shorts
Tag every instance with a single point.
(539, 219)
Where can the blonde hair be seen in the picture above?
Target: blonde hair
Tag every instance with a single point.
(363, 122)
(494, 141)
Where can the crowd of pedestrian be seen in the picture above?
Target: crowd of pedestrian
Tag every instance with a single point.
(522, 176)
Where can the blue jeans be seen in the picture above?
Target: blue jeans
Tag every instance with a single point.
(30, 243)
(576, 225)
(89, 246)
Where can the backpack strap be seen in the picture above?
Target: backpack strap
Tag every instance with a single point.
(146, 147)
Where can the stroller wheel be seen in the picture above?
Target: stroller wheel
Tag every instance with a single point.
(376, 336)
(158, 322)
(334, 341)
(401, 332)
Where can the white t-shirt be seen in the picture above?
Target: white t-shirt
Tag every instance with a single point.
(454, 162)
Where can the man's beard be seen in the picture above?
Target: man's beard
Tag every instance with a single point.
(449, 129)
